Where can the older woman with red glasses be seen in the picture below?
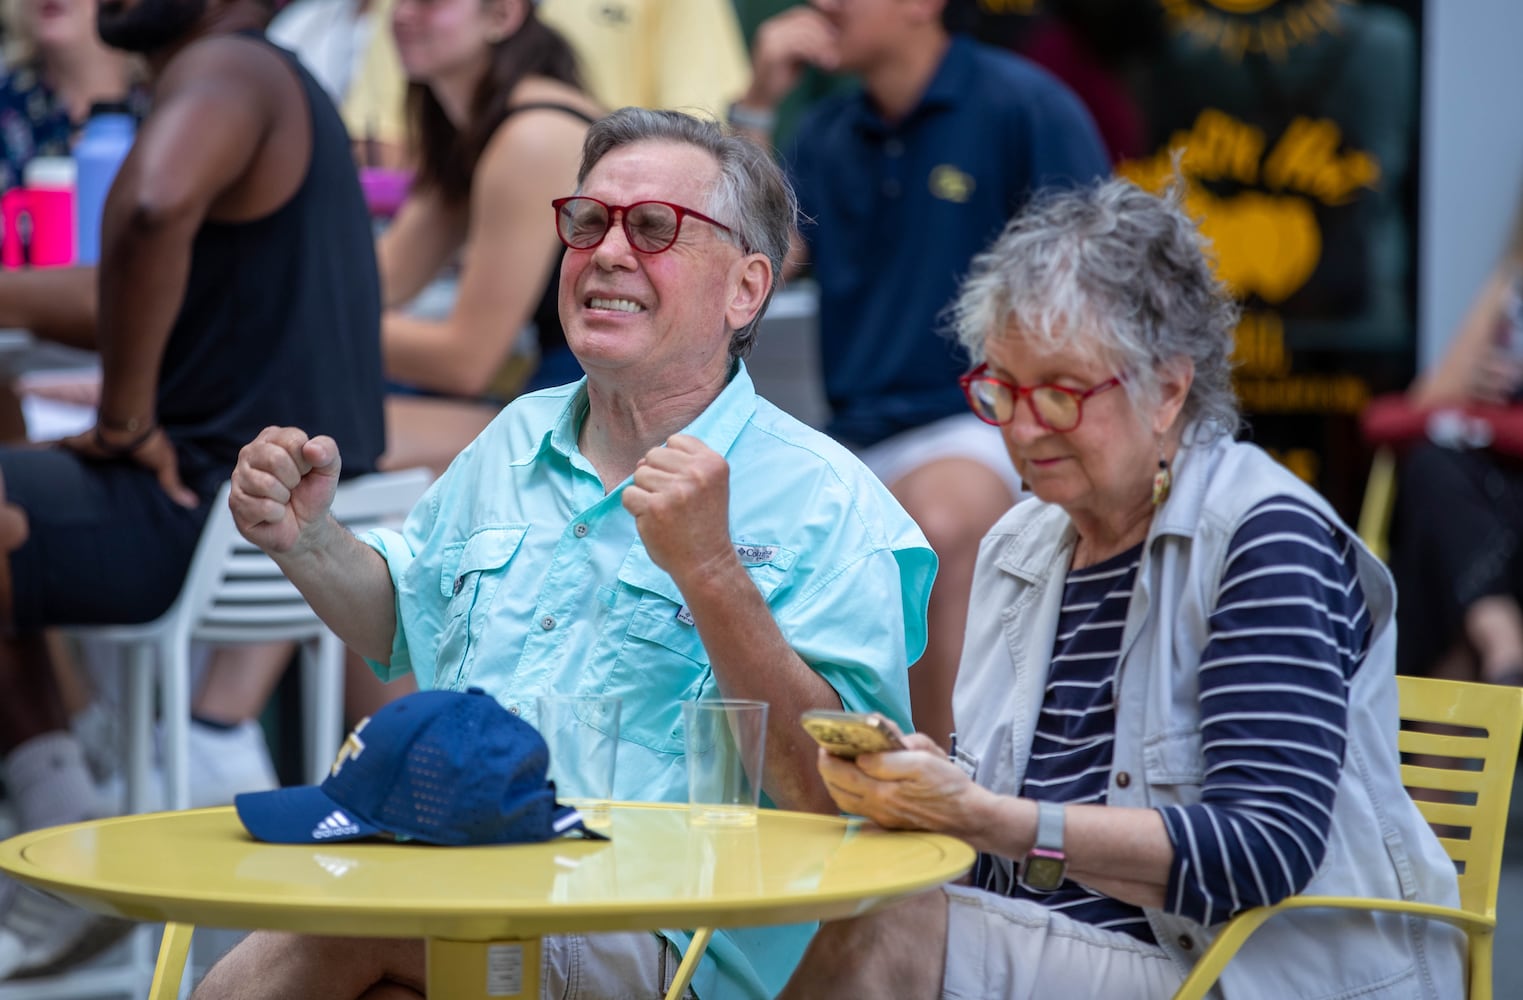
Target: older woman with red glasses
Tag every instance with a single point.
(1177, 694)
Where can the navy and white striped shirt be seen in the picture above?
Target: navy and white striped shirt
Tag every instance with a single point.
(1288, 630)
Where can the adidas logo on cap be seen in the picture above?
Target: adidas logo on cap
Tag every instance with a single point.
(335, 824)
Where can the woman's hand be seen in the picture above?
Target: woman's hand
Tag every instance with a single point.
(916, 788)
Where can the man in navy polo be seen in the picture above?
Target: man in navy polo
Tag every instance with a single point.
(906, 178)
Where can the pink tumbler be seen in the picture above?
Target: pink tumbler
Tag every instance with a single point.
(39, 217)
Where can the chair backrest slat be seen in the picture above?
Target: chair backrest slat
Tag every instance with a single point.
(1465, 746)
(235, 590)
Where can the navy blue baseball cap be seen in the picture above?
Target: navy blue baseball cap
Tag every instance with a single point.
(441, 767)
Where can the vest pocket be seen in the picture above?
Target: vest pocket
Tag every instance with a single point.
(1173, 759)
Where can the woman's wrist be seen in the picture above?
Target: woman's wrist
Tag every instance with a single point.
(996, 824)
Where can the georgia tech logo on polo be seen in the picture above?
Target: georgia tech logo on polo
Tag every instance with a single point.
(353, 746)
(1266, 237)
(1272, 27)
(335, 824)
(950, 184)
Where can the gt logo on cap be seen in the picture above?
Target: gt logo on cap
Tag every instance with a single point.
(353, 747)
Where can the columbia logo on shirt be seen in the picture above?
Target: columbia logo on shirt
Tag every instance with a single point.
(753, 554)
(335, 824)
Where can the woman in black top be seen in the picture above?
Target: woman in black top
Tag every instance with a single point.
(497, 114)
(1457, 537)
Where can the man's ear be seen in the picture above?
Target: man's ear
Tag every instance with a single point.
(750, 281)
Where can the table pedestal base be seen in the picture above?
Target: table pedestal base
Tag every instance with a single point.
(478, 970)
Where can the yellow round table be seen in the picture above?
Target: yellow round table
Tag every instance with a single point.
(481, 909)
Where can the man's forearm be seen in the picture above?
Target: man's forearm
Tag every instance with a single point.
(349, 585)
(55, 303)
(752, 659)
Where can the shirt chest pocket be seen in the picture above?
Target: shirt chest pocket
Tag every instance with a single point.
(470, 573)
(662, 661)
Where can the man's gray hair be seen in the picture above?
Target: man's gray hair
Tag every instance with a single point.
(752, 196)
(1116, 273)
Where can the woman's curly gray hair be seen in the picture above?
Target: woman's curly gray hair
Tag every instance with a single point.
(1116, 273)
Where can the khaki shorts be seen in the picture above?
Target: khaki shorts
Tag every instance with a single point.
(1015, 949)
(629, 966)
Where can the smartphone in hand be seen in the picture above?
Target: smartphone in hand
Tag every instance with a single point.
(847, 734)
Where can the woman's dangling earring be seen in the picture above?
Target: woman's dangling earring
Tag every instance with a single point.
(1163, 480)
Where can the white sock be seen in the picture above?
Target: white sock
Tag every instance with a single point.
(47, 779)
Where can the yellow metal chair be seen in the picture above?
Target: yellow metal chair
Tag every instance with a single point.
(1475, 729)
(1379, 501)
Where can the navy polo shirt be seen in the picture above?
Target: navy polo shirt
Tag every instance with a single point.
(895, 211)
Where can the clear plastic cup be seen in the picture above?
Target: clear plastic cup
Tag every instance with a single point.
(582, 732)
(726, 742)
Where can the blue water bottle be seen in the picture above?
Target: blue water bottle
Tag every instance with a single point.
(102, 145)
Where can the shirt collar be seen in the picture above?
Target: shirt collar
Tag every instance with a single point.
(717, 426)
(952, 79)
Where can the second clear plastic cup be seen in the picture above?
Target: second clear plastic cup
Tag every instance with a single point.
(726, 742)
(582, 732)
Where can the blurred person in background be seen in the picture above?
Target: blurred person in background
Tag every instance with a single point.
(683, 54)
(1101, 49)
(906, 177)
(1457, 537)
(57, 68)
(236, 288)
(348, 46)
(498, 116)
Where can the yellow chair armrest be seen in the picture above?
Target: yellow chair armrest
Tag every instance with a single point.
(1232, 937)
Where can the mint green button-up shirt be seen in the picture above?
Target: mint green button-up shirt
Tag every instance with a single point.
(517, 574)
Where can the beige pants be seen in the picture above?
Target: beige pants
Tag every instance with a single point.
(1015, 949)
(631, 966)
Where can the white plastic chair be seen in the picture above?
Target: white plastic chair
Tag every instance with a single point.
(235, 594)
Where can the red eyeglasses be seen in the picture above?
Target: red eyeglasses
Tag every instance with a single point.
(1056, 407)
(650, 226)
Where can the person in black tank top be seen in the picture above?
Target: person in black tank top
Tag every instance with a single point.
(498, 111)
(236, 289)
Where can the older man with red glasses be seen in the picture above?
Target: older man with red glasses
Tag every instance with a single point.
(655, 531)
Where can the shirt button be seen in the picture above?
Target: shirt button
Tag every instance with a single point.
(580, 531)
(1186, 942)
(459, 584)
(1123, 779)
(893, 147)
(891, 188)
(547, 623)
